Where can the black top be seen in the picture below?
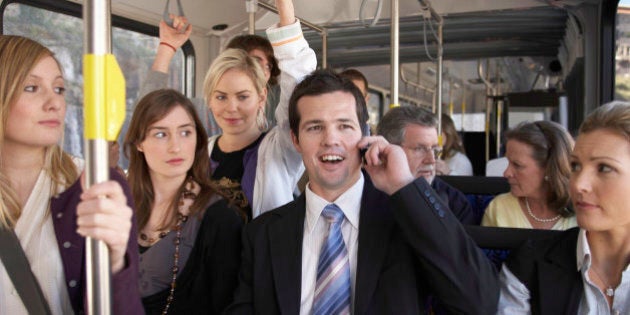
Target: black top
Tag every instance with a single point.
(156, 274)
(548, 268)
(206, 283)
(227, 174)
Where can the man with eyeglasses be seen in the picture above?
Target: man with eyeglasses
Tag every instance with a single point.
(415, 130)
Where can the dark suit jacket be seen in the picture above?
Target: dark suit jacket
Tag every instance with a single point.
(410, 245)
(548, 268)
(456, 200)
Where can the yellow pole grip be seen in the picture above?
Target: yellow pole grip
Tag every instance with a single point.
(104, 97)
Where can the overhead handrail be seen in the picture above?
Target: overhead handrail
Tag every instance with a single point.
(385, 92)
(322, 31)
(404, 79)
(166, 15)
(377, 14)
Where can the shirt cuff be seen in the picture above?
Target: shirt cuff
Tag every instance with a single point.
(280, 35)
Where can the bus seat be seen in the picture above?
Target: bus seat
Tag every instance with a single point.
(498, 242)
(479, 190)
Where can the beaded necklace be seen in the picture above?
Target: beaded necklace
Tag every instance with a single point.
(178, 237)
(185, 201)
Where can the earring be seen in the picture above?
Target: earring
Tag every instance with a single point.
(546, 178)
(261, 120)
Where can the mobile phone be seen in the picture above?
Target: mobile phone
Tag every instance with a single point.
(362, 152)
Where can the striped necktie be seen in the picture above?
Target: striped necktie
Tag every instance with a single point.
(332, 289)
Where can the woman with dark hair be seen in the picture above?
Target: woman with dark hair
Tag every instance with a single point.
(538, 173)
(42, 200)
(453, 160)
(583, 270)
(189, 236)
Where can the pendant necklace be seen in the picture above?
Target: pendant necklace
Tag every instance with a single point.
(610, 292)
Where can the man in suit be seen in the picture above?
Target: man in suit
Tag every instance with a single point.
(415, 130)
(400, 242)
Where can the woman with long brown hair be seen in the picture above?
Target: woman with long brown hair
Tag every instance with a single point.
(189, 237)
(538, 173)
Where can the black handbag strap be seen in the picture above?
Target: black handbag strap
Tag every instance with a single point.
(19, 270)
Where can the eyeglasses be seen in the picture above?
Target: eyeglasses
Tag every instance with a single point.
(421, 151)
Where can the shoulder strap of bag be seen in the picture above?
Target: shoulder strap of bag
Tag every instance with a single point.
(19, 270)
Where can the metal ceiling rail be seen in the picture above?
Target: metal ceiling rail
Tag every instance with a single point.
(426, 5)
(322, 31)
(533, 32)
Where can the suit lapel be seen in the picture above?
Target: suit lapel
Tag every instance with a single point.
(285, 245)
(375, 224)
(563, 282)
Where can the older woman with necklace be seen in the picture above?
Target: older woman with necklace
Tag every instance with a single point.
(538, 174)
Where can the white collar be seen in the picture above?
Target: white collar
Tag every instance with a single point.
(349, 202)
(583, 251)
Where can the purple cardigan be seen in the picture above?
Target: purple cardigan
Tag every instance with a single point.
(125, 294)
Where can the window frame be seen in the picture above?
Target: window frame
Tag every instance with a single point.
(76, 10)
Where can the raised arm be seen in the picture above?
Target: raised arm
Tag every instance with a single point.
(286, 12)
(171, 39)
(386, 163)
(449, 261)
(295, 59)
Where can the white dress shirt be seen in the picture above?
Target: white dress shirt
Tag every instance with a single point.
(315, 232)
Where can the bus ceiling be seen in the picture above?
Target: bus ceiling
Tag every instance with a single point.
(527, 35)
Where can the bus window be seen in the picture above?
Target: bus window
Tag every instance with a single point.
(471, 122)
(63, 34)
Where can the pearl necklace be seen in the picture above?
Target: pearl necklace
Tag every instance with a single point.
(610, 292)
(531, 214)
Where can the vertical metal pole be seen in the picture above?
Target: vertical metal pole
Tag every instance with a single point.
(438, 88)
(324, 49)
(450, 96)
(488, 109)
(97, 39)
(463, 105)
(252, 24)
(499, 110)
(563, 111)
(251, 6)
(395, 43)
